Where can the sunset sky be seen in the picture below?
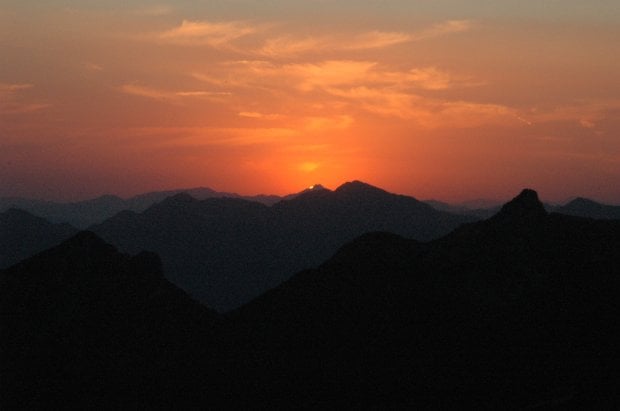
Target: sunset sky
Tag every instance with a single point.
(445, 99)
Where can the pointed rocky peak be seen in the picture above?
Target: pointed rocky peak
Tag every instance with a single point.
(525, 205)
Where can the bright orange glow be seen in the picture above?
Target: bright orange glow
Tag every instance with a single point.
(98, 100)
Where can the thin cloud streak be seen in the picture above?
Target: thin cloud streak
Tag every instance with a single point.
(204, 33)
(163, 95)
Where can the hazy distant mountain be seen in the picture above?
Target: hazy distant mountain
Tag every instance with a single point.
(225, 251)
(23, 234)
(487, 209)
(84, 326)
(519, 311)
(83, 214)
(583, 207)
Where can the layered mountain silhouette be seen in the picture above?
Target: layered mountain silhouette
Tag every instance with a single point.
(83, 214)
(84, 325)
(519, 311)
(226, 251)
(23, 234)
(582, 207)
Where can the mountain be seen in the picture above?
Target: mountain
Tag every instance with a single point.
(83, 214)
(487, 210)
(518, 311)
(84, 325)
(583, 207)
(226, 251)
(515, 312)
(23, 234)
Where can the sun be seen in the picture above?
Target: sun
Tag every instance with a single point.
(308, 166)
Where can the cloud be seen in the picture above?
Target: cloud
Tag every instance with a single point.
(287, 45)
(291, 46)
(11, 101)
(442, 29)
(204, 33)
(92, 66)
(329, 73)
(157, 94)
(378, 39)
(6, 88)
(155, 10)
(340, 122)
(253, 114)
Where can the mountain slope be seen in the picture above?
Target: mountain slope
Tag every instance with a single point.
(582, 207)
(23, 234)
(84, 325)
(517, 311)
(227, 251)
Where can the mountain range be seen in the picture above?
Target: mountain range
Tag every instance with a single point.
(226, 251)
(83, 214)
(515, 312)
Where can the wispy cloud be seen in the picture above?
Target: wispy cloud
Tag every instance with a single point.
(443, 28)
(12, 102)
(154, 10)
(157, 94)
(90, 66)
(261, 116)
(6, 88)
(288, 45)
(204, 33)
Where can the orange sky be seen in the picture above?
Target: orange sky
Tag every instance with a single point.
(436, 101)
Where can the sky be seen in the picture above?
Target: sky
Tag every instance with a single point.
(445, 99)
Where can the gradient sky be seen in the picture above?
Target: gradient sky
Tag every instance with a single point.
(447, 99)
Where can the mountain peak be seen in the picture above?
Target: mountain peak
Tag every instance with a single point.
(357, 186)
(525, 205)
(86, 239)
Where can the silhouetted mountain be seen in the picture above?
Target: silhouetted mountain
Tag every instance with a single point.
(226, 251)
(518, 311)
(22, 235)
(515, 312)
(85, 326)
(83, 214)
(481, 213)
(582, 207)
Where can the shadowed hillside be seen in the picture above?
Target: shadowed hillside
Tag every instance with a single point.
(516, 312)
(513, 312)
(23, 234)
(83, 325)
(227, 251)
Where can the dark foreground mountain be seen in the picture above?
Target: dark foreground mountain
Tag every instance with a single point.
(516, 312)
(227, 251)
(83, 214)
(23, 234)
(85, 326)
(582, 207)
